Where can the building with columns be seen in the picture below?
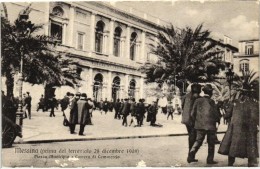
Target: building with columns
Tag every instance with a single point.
(109, 45)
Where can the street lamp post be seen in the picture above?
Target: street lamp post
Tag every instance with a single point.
(19, 114)
(230, 77)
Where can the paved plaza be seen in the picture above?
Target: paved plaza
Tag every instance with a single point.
(42, 128)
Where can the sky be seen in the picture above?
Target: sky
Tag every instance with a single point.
(236, 19)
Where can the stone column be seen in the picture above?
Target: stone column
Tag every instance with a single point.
(111, 36)
(126, 86)
(109, 86)
(142, 54)
(64, 32)
(71, 26)
(47, 19)
(122, 47)
(137, 52)
(92, 31)
(90, 83)
(128, 42)
(105, 38)
(141, 91)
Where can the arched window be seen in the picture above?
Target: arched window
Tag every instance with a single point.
(99, 36)
(133, 45)
(58, 11)
(56, 30)
(117, 36)
(244, 65)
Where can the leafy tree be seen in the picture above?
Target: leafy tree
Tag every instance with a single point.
(41, 64)
(184, 54)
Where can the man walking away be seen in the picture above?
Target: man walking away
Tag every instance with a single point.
(206, 116)
(83, 112)
(187, 104)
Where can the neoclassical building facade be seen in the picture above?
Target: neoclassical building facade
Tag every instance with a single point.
(108, 44)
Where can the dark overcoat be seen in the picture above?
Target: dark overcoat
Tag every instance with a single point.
(105, 106)
(240, 139)
(205, 114)
(73, 111)
(187, 104)
(140, 109)
(133, 109)
(83, 112)
(126, 108)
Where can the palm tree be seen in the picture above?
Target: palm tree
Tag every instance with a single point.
(41, 64)
(248, 81)
(184, 54)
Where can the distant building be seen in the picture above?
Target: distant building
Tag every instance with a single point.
(248, 56)
(227, 51)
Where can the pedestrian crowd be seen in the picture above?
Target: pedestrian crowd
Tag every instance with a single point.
(200, 115)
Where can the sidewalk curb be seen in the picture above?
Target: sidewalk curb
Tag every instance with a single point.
(103, 138)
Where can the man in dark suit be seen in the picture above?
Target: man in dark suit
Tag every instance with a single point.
(133, 112)
(65, 102)
(125, 111)
(117, 108)
(206, 116)
(74, 113)
(140, 111)
(83, 112)
(187, 104)
(153, 109)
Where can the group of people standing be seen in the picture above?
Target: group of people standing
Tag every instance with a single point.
(79, 110)
(201, 115)
(135, 110)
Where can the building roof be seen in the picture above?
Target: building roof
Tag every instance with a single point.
(233, 48)
(248, 40)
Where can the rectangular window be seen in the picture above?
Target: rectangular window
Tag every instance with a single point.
(249, 49)
(244, 67)
(56, 31)
(80, 41)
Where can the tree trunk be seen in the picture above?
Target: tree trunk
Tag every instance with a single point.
(9, 84)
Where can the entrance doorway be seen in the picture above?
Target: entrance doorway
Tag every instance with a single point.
(132, 88)
(116, 88)
(98, 87)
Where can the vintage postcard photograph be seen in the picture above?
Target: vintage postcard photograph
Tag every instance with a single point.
(130, 83)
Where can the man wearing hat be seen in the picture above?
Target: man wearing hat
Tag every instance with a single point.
(83, 112)
(74, 112)
(206, 115)
(187, 104)
(125, 111)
